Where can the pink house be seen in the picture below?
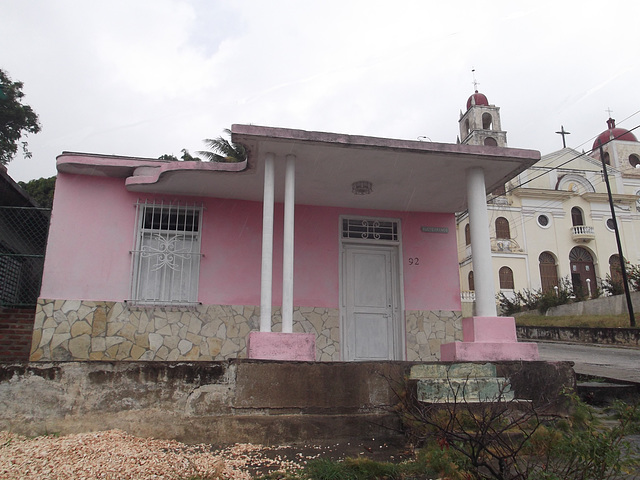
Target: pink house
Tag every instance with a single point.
(320, 246)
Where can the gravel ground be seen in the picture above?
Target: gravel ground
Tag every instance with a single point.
(116, 455)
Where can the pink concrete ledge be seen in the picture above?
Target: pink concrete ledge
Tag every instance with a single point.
(488, 339)
(282, 346)
(480, 352)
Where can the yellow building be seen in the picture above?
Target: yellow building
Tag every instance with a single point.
(554, 220)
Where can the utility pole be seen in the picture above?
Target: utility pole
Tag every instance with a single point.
(623, 267)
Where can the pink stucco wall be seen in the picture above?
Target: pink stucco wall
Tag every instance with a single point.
(92, 233)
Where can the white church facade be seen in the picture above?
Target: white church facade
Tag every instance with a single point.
(554, 220)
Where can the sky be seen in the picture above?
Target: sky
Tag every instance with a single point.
(151, 77)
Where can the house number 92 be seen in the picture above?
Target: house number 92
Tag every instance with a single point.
(414, 261)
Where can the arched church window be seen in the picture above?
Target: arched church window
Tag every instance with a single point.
(472, 285)
(490, 142)
(607, 158)
(548, 271)
(506, 278)
(579, 254)
(487, 121)
(576, 217)
(502, 228)
(634, 161)
(467, 234)
(466, 127)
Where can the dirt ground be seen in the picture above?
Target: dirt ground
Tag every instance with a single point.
(116, 455)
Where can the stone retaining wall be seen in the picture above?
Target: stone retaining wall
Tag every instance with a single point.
(66, 330)
(609, 336)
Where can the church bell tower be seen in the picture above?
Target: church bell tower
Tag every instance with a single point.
(480, 125)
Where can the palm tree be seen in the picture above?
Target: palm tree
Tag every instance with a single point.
(223, 150)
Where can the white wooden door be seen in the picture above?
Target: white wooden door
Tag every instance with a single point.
(370, 289)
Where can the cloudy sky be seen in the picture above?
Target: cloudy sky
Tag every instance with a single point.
(148, 77)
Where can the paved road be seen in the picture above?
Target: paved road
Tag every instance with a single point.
(602, 361)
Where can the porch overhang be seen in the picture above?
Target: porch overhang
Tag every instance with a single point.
(405, 175)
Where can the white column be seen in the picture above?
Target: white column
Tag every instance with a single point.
(287, 257)
(266, 279)
(480, 244)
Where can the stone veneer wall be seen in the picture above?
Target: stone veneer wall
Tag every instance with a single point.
(427, 330)
(91, 330)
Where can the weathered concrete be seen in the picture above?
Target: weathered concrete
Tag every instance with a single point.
(269, 402)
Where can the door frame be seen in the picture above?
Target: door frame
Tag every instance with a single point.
(398, 294)
(580, 266)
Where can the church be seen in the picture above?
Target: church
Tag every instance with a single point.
(553, 221)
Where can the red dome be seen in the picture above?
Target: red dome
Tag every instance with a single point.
(477, 99)
(613, 132)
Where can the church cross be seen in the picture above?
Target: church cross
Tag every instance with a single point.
(475, 82)
(609, 111)
(563, 133)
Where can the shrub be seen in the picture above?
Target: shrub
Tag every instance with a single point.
(537, 299)
(506, 439)
(612, 287)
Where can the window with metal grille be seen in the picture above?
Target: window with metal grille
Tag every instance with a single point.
(506, 278)
(370, 229)
(502, 228)
(166, 258)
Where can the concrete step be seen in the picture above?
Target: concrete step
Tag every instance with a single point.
(464, 390)
(459, 382)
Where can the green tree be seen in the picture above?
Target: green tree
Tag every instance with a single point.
(223, 150)
(16, 119)
(187, 157)
(40, 190)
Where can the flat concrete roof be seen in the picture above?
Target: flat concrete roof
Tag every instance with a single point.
(406, 175)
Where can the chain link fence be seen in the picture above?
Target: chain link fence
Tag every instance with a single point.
(23, 240)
